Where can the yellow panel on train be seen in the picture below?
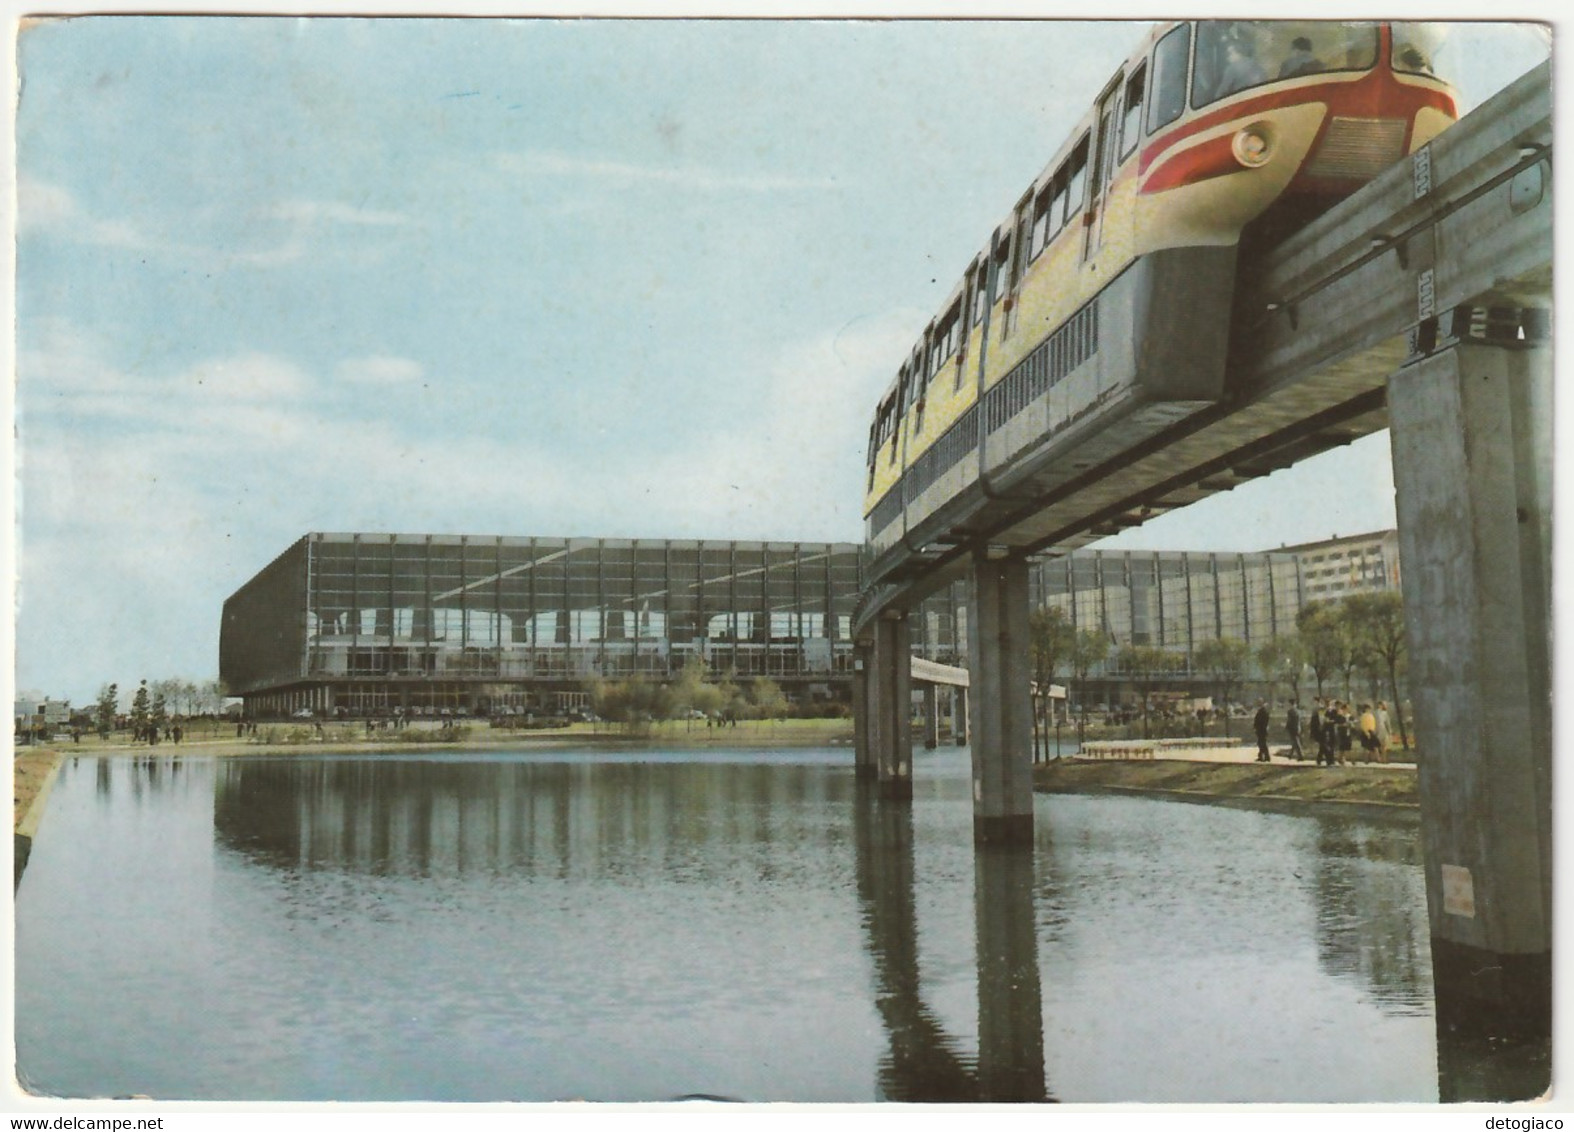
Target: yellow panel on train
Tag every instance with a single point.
(1098, 313)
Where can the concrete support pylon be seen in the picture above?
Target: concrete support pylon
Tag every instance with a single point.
(1472, 454)
(1002, 723)
(931, 717)
(960, 706)
(864, 716)
(891, 703)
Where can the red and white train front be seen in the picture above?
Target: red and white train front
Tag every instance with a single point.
(1282, 115)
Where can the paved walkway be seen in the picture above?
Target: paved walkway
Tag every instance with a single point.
(1215, 751)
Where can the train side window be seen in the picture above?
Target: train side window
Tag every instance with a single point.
(1024, 237)
(1167, 95)
(1103, 162)
(1004, 277)
(1042, 225)
(1003, 267)
(1131, 120)
(882, 428)
(1076, 178)
(964, 316)
(945, 338)
(1057, 206)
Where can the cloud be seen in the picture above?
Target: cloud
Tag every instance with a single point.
(303, 223)
(46, 207)
(249, 377)
(67, 383)
(313, 212)
(546, 163)
(145, 499)
(289, 251)
(379, 369)
(43, 206)
(817, 401)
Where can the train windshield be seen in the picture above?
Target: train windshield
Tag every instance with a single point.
(1416, 47)
(1233, 55)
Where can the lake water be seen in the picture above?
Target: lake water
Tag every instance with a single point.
(647, 926)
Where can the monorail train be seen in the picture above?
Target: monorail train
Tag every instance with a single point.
(1098, 313)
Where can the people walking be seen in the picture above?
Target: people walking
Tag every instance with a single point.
(1318, 727)
(1292, 728)
(1368, 733)
(1384, 735)
(1330, 732)
(1343, 732)
(1260, 725)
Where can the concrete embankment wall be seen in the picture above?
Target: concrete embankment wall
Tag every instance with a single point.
(22, 838)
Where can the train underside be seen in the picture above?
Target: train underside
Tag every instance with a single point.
(1147, 351)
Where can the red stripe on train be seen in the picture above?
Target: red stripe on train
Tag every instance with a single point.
(1375, 95)
(1212, 158)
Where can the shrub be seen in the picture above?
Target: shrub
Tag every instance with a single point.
(448, 733)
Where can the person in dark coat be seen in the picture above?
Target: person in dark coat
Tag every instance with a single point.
(1260, 725)
(1292, 728)
(1346, 733)
(1337, 730)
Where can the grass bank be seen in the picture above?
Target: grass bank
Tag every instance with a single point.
(30, 771)
(1377, 787)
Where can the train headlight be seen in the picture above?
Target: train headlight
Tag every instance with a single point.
(1253, 145)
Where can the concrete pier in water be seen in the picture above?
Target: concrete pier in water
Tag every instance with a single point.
(1472, 444)
(1002, 713)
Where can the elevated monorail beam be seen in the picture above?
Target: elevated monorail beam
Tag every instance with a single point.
(1455, 240)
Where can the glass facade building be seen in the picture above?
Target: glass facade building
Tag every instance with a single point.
(1175, 600)
(370, 624)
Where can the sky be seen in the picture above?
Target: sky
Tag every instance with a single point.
(615, 278)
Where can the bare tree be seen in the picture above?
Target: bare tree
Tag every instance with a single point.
(1146, 665)
(1327, 638)
(1052, 641)
(1283, 660)
(1376, 622)
(1089, 650)
(1224, 660)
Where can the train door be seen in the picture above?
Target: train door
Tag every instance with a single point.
(1098, 174)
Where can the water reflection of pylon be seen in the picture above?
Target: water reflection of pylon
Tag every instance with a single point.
(925, 1063)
